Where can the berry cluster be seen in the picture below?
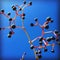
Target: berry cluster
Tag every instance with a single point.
(12, 23)
(42, 40)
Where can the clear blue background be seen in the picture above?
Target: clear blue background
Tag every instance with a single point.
(15, 46)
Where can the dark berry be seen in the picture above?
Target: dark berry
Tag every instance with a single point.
(56, 32)
(35, 19)
(47, 27)
(59, 34)
(48, 18)
(40, 42)
(9, 35)
(48, 39)
(23, 14)
(45, 49)
(20, 9)
(36, 52)
(10, 32)
(57, 39)
(52, 38)
(9, 13)
(30, 3)
(23, 17)
(41, 38)
(31, 24)
(13, 26)
(10, 19)
(39, 51)
(39, 56)
(2, 11)
(24, 2)
(14, 8)
(0, 28)
(52, 21)
(31, 46)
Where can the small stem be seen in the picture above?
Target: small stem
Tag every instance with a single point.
(29, 40)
